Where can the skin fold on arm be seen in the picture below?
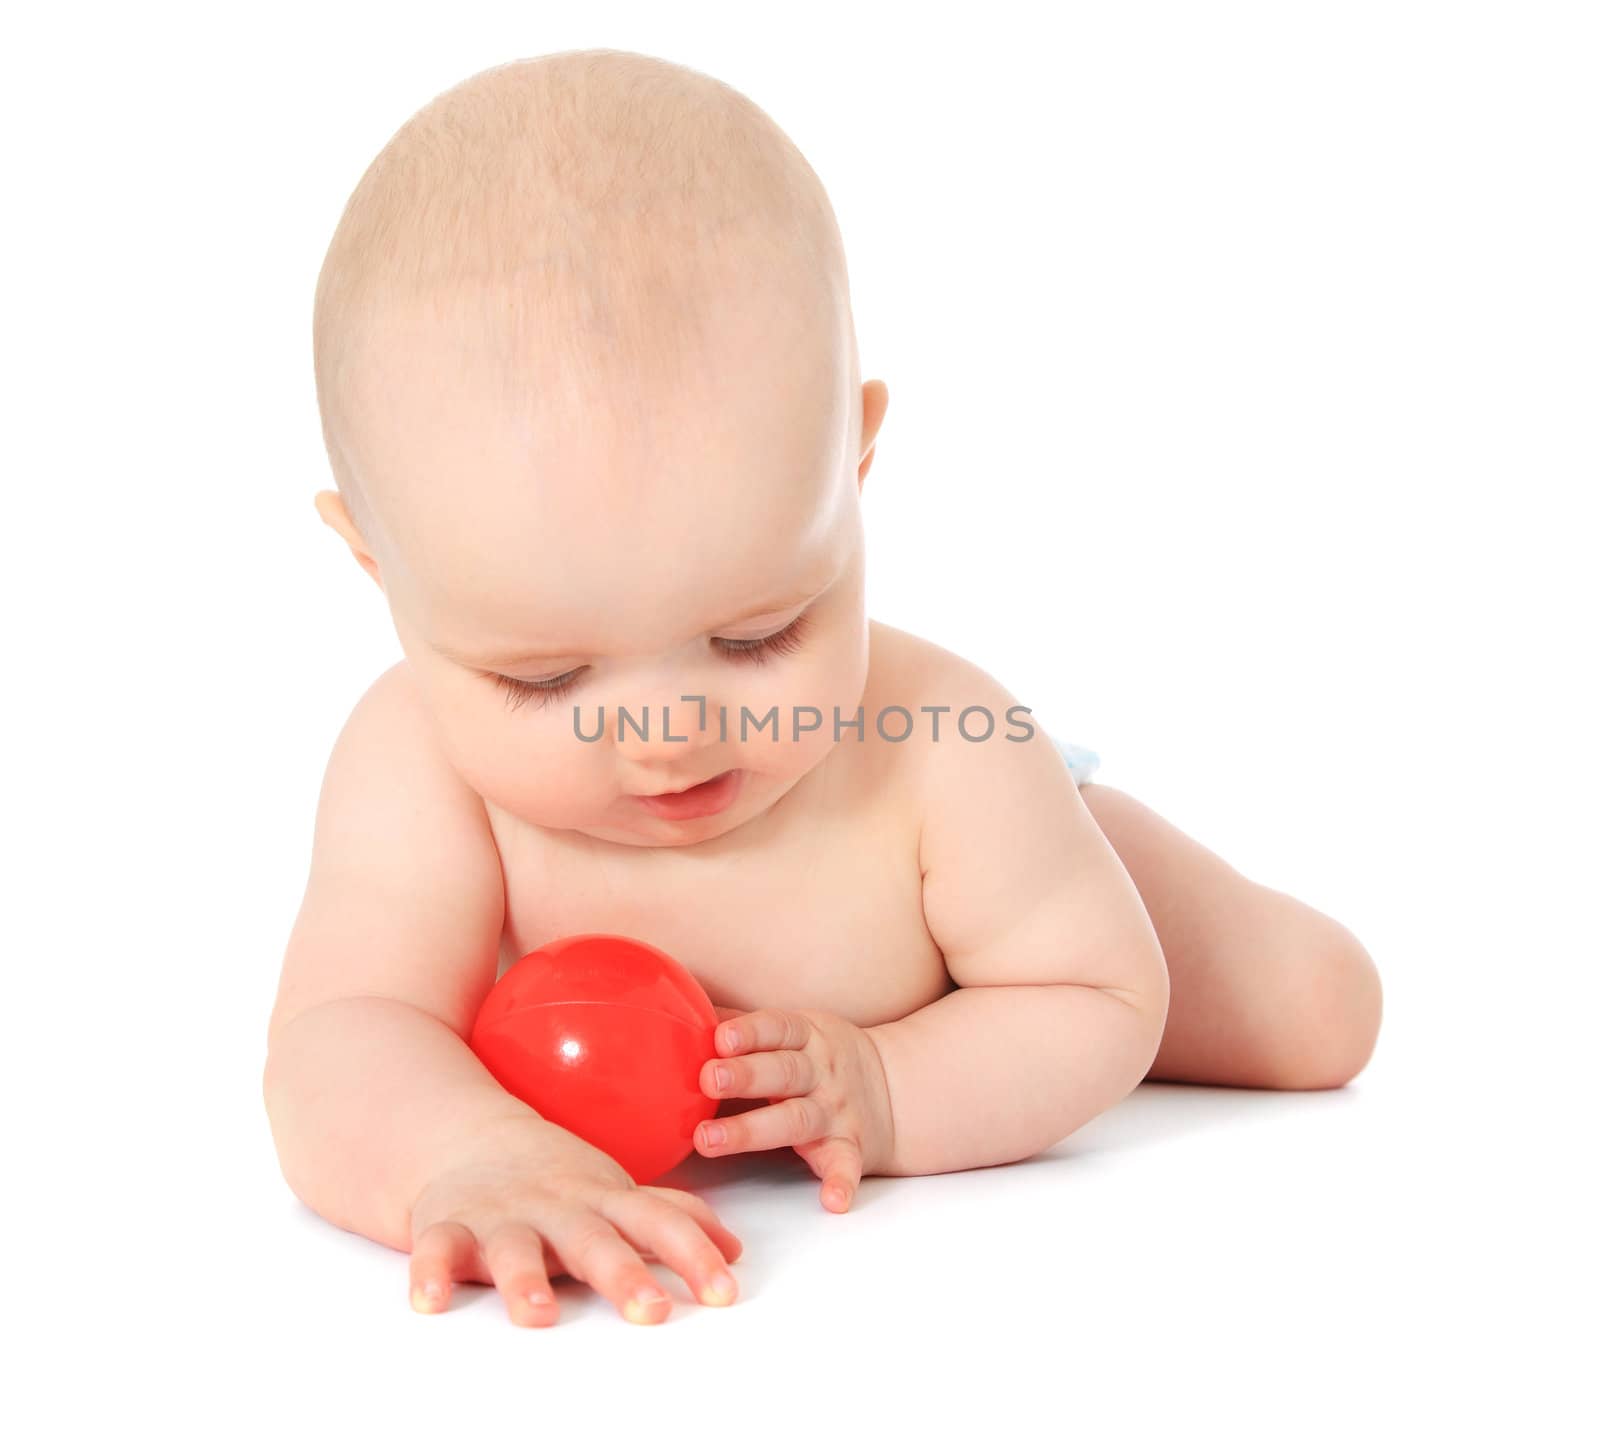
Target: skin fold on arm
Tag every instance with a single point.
(1063, 987)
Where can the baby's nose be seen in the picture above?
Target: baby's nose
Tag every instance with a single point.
(667, 730)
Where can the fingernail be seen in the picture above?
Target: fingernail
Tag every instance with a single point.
(711, 1134)
(721, 1077)
(644, 1305)
(720, 1289)
(730, 1040)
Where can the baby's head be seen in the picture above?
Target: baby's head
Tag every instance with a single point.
(590, 391)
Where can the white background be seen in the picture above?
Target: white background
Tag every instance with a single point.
(1243, 368)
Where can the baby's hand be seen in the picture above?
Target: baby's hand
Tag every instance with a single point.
(835, 1097)
(529, 1200)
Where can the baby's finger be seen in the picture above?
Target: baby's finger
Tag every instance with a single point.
(440, 1253)
(781, 1125)
(596, 1254)
(775, 1073)
(674, 1236)
(706, 1216)
(837, 1162)
(762, 1029)
(514, 1255)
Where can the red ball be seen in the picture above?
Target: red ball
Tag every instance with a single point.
(605, 1036)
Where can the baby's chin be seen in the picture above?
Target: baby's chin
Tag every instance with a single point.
(646, 831)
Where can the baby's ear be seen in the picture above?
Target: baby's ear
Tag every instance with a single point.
(331, 506)
(874, 401)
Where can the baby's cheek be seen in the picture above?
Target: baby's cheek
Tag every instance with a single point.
(563, 782)
(507, 762)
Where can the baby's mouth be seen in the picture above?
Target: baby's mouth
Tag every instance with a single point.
(665, 793)
(699, 800)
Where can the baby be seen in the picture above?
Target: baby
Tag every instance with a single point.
(591, 396)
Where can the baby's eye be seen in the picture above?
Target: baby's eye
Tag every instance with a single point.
(756, 651)
(540, 692)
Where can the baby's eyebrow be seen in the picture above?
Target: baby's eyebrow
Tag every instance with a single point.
(531, 656)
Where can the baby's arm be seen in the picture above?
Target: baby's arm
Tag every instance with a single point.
(368, 1083)
(1063, 993)
(385, 1121)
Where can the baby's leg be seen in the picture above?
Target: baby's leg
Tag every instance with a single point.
(1266, 991)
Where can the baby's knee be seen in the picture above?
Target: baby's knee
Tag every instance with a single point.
(1336, 1008)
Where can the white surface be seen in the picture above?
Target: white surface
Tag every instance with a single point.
(1243, 388)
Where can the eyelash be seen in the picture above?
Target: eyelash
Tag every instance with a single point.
(744, 651)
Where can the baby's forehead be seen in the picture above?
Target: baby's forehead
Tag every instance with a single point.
(631, 568)
(649, 502)
(749, 421)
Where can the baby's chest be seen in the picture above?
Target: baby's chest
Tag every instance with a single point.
(834, 922)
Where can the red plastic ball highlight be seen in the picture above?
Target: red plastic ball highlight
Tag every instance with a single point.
(605, 1036)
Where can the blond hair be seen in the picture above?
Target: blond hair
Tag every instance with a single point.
(562, 212)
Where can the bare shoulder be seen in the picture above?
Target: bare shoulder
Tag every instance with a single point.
(389, 753)
(405, 898)
(1019, 884)
(958, 716)
(900, 658)
(391, 709)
